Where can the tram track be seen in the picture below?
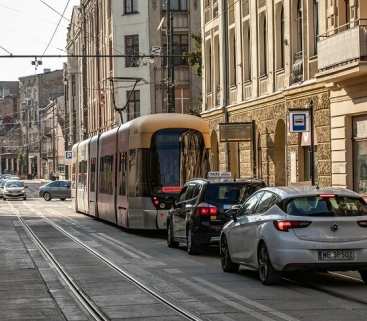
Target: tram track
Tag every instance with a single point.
(90, 306)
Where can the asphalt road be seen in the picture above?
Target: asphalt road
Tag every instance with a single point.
(31, 288)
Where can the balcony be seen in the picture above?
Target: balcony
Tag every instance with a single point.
(343, 54)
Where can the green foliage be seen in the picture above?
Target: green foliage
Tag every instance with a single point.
(194, 58)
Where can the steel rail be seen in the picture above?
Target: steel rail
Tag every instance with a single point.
(183, 312)
(79, 294)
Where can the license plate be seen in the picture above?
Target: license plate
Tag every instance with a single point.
(227, 206)
(336, 255)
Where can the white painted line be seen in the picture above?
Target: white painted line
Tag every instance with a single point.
(131, 254)
(346, 276)
(127, 246)
(222, 299)
(246, 300)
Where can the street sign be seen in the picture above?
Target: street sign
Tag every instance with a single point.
(68, 155)
(299, 121)
(235, 132)
(156, 51)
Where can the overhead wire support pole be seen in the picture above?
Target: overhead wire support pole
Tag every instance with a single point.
(171, 106)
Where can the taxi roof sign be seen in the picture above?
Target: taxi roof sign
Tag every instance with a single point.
(219, 175)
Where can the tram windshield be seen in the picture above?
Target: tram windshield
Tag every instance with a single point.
(177, 155)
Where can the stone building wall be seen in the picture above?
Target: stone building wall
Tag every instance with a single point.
(270, 159)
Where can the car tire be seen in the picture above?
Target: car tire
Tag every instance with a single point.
(267, 274)
(170, 236)
(363, 276)
(47, 196)
(192, 246)
(225, 258)
(63, 199)
(4, 199)
(24, 198)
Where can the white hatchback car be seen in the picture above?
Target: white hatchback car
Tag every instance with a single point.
(291, 228)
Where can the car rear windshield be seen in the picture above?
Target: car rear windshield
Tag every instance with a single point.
(14, 184)
(336, 205)
(229, 193)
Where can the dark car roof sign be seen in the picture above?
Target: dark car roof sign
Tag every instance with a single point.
(219, 175)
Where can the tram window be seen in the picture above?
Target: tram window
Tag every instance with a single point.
(122, 173)
(82, 177)
(139, 173)
(93, 174)
(106, 184)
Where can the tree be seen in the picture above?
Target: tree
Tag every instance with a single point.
(194, 58)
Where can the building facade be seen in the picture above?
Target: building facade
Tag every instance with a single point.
(53, 139)
(113, 88)
(9, 126)
(75, 110)
(263, 59)
(261, 62)
(35, 93)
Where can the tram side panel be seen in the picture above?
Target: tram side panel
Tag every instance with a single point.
(122, 203)
(82, 179)
(74, 175)
(106, 176)
(93, 177)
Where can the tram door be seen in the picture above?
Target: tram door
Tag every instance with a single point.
(122, 204)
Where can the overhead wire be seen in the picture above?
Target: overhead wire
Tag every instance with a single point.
(57, 27)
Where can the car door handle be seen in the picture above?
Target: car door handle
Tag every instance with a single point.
(122, 208)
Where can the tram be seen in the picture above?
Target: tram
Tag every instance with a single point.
(131, 175)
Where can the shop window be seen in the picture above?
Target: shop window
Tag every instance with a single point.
(360, 154)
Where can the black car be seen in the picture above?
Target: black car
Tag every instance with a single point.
(199, 212)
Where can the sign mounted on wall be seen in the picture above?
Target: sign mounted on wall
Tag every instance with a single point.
(236, 132)
(299, 121)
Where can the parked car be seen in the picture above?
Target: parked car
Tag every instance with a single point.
(14, 189)
(56, 189)
(2, 184)
(292, 229)
(199, 213)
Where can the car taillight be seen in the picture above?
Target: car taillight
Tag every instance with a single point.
(362, 223)
(155, 201)
(286, 225)
(206, 210)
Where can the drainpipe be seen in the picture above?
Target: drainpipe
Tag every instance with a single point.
(226, 76)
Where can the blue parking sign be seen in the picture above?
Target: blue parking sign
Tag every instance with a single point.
(299, 122)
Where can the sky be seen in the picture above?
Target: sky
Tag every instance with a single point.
(26, 26)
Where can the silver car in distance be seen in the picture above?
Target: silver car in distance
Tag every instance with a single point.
(294, 228)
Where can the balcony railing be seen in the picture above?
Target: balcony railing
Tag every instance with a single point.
(297, 68)
(343, 46)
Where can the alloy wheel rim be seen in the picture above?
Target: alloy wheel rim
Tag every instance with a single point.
(263, 263)
(189, 240)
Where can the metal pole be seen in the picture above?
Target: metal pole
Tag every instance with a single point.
(27, 142)
(226, 76)
(53, 140)
(171, 106)
(312, 162)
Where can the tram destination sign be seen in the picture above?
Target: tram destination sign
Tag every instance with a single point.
(235, 132)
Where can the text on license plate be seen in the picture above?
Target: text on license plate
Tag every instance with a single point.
(336, 255)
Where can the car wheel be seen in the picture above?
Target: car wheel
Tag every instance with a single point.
(192, 246)
(24, 198)
(47, 197)
(225, 258)
(170, 236)
(267, 274)
(62, 199)
(4, 198)
(363, 276)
